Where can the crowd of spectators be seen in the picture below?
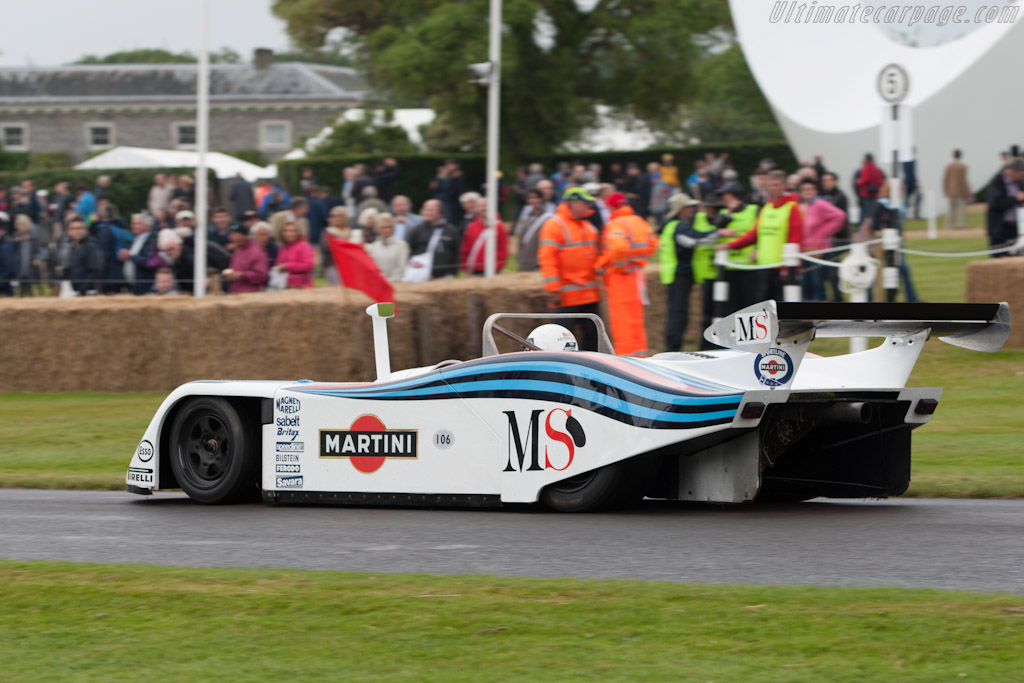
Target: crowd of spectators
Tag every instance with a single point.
(75, 242)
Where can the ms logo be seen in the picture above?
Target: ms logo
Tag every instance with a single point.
(751, 328)
(563, 432)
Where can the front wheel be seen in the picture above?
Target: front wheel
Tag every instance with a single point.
(214, 452)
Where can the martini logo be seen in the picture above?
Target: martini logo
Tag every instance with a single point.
(752, 328)
(564, 435)
(368, 443)
(773, 368)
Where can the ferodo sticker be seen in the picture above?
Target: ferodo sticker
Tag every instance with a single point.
(773, 368)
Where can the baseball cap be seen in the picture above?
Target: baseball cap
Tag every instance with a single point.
(733, 188)
(616, 200)
(577, 194)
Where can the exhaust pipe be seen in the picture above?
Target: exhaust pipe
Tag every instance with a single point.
(856, 412)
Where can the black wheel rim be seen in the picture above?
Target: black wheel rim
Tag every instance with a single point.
(575, 484)
(205, 450)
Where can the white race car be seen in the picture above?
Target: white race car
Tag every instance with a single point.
(577, 430)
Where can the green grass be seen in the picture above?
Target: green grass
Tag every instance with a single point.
(103, 622)
(79, 441)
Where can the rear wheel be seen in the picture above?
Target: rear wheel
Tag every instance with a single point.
(214, 452)
(595, 490)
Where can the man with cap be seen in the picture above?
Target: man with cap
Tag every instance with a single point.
(626, 245)
(249, 269)
(567, 256)
(675, 256)
(741, 218)
(708, 223)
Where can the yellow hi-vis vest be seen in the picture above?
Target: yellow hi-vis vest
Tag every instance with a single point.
(742, 222)
(704, 256)
(772, 232)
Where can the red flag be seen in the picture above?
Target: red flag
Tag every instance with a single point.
(358, 270)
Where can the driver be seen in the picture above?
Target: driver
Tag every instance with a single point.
(553, 337)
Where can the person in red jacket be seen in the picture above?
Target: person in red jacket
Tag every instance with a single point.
(248, 270)
(473, 252)
(295, 257)
(869, 183)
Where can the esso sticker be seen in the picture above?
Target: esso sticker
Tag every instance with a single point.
(145, 451)
(443, 439)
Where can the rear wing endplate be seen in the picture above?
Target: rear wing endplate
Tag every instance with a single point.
(978, 327)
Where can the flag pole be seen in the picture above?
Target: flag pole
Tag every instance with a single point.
(493, 121)
(203, 144)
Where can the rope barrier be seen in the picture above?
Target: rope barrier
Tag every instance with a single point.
(959, 254)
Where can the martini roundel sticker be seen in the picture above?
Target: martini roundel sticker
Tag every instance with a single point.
(773, 368)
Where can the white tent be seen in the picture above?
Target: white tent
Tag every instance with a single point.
(223, 165)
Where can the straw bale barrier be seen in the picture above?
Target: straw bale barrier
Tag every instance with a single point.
(1000, 279)
(126, 343)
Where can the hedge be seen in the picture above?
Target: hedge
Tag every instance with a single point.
(129, 187)
(417, 171)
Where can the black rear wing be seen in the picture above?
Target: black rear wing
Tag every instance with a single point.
(978, 327)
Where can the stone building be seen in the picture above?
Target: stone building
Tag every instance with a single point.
(264, 106)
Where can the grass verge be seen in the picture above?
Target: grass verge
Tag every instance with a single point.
(102, 622)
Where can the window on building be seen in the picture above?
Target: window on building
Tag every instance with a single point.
(184, 135)
(275, 134)
(99, 135)
(14, 136)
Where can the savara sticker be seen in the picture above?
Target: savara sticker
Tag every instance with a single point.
(287, 404)
(146, 451)
(140, 475)
(368, 443)
(564, 435)
(289, 482)
(751, 328)
(773, 368)
(290, 446)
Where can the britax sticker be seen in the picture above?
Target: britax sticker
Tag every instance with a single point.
(773, 368)
(751, 328)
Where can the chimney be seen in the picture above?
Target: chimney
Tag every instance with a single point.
(262, 58)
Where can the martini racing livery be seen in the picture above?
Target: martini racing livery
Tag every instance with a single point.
(759, 419)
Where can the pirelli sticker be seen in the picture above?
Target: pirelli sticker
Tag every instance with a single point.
(368, 443)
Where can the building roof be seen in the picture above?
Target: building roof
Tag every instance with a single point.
(177, 82)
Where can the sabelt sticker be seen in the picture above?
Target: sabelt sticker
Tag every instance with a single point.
(773, 368)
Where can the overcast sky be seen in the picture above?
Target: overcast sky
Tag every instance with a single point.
(54, 32)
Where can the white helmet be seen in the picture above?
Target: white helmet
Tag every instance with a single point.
(553, 338)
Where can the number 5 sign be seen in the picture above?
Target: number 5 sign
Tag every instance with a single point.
(893, 83)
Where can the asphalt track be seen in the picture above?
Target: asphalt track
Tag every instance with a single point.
(966, 544)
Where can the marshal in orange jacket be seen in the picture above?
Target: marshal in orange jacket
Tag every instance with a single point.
(626, 245)
(567, 255)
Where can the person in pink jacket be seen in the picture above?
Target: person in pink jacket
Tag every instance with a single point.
(822, 219)
(295, 257)
(248, 269)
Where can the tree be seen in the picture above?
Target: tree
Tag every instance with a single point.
(374, 134)
(560, 58)
(225, 55)
(729, 105)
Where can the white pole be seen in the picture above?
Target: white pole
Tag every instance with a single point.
(493, 101)
(203, 143)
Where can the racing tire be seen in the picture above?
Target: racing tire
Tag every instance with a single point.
(598, 489)
(214, 452)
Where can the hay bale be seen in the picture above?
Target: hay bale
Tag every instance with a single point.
(1000, 279)
(126, 343)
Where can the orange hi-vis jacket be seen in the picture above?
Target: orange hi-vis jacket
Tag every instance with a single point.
(626, 244)
(567, 255)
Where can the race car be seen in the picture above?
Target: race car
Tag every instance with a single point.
(757, 419)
